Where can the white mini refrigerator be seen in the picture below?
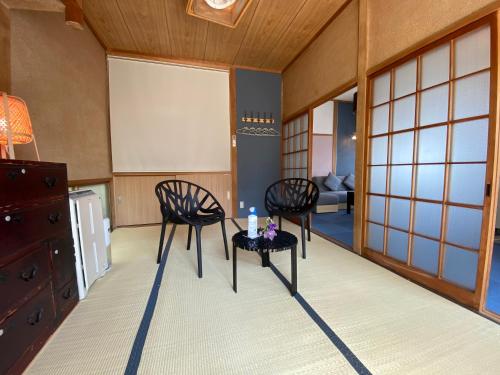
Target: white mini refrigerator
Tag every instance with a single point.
(89, 238)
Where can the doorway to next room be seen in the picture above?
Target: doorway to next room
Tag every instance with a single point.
(493, 292)
(333, 160)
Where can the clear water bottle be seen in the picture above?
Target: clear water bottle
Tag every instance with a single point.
(252, 223)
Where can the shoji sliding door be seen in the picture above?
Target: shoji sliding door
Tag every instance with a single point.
(427, 186)
(295, 148)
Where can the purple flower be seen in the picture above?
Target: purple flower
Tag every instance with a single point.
(270, 234)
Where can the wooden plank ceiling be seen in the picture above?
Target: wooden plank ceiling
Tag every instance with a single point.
(269, 36)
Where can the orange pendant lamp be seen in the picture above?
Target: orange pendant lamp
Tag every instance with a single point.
(15, 124)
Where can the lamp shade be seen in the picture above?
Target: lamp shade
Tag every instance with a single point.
(19, 119)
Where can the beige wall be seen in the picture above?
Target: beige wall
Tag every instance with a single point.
(394, 26)
(397, 25)
(61, 73)
(322, 153)
(329, 62)
(384, 30)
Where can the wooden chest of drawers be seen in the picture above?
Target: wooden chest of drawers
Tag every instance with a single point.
(37, 266)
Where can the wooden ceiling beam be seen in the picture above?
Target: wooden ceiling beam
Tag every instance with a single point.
(182, 61)
(73, 14)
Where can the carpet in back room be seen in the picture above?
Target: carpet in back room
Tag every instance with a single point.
(493, 297)
(338, 225)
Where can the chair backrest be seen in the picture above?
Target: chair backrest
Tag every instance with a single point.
(293, 196)
(182, 200)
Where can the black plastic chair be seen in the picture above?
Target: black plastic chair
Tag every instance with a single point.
(290, 198)
(183, 202)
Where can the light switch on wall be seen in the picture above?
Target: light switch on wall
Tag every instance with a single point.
(242, 204)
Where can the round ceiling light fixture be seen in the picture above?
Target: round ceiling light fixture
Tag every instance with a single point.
(220, 4)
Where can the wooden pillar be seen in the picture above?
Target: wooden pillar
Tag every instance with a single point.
(335, 121)
(4, 49)
(73, 14)
(361, 126)
(4, 58)
(234, 149)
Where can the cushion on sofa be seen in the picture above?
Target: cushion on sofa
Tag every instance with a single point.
(319, 181)
(334, 183)
(349, 181)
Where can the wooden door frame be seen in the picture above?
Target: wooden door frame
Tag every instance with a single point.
(492, 173)
(475, 299)
(233, 141)
(309, 110)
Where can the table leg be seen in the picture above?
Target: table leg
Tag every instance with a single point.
(294, 271)
(265, 259)
(348, 208)
(234, 269)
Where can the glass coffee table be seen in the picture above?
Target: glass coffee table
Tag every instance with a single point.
(282, 241)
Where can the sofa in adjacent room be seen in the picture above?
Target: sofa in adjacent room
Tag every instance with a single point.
(333, 196)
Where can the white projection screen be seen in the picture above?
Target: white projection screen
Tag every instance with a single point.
(168, 118)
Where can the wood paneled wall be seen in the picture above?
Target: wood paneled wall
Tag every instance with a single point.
(135, 202)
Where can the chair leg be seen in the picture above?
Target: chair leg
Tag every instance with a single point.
(279, 222)
(198, 249)
(190, 232)
(162, 238)
(235, 277)
(223, 225)
(309, 227)
(303, 236)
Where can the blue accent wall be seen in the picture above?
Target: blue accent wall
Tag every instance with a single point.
(258, 157)
(346, 146)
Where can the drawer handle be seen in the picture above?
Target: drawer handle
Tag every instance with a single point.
(13, 174)
(50, 181)
(68, 293)
(29, 275)
(54, 217)
(14, 218)
(35, 318)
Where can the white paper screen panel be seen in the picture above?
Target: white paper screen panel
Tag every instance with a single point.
(168, 117)
(429, 135)
(472, 51)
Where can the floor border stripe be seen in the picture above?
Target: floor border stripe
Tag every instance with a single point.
(140, 339)
(334, 338)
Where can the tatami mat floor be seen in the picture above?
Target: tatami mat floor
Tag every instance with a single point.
(392, 325)
(202, 327)
(97, 336)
